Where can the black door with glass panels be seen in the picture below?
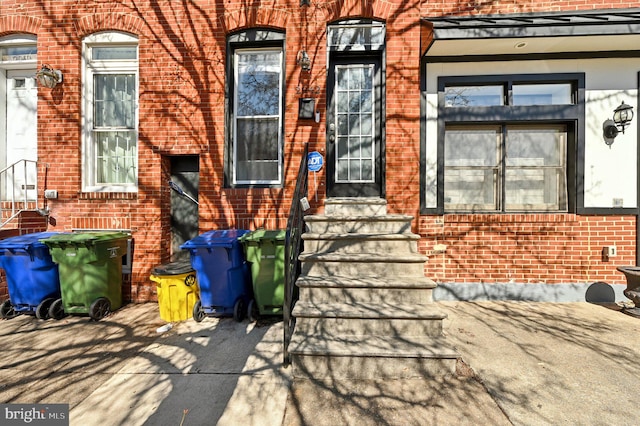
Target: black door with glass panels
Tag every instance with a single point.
(354, 127)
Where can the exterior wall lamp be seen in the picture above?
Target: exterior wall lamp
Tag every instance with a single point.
(622, 116)
(304, 61)
(48, 77)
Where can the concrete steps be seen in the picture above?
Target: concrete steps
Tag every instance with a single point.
(371, 357)
(338, 289)
(365, 309)
(361, 242)
(379, 319)
(389, 224)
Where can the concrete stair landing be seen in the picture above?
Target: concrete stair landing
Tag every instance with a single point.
(365, 309)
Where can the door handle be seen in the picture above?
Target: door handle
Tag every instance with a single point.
(332, 130)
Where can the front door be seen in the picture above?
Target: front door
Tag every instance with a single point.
(185, 173)
(354, 127)
(21, 132)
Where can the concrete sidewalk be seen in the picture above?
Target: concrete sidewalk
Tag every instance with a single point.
(121, 371)
(552, 363)
(523, 363)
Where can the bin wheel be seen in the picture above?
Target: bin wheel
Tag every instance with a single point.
(7, 310)
(252, 311)
(100, 308)
(42, 310)
(198, 313)
(56, 310)
(239, 310)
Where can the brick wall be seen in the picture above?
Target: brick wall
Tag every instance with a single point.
(539, 248)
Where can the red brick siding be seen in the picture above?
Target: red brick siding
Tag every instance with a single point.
(555, 248)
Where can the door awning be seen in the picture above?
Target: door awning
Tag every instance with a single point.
(590, 33)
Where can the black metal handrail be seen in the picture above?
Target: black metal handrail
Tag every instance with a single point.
(293, 248)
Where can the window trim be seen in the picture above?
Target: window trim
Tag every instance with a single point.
(90, 68)
(573, 115)
(256, 39)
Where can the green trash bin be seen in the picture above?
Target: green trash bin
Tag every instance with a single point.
(90, 269)
(264, 250)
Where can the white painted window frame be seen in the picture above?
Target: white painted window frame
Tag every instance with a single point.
(89, 69)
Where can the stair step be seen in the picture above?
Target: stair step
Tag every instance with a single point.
(370, 357)
(323, 224)
(336, 289)
(363, 257)
(383, 319)
(361, 242)
(412, 311)
(355, 206)
(362, 264)
(367, 282)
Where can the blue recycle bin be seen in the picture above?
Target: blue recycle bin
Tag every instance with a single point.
(223, 275)
(32, 276)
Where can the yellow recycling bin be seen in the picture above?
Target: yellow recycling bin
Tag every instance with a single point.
(177, 290)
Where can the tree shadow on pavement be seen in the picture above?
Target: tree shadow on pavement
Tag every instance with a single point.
(550, 363)
(120, 371)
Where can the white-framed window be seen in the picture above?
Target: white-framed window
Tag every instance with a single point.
(110, 112)
(257, 116)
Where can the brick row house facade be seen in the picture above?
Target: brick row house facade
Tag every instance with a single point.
(483, 120)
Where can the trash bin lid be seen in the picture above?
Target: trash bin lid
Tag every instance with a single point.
(173, 268)
(264, 235)
(26, 241)
(217, 238)
(84, 238)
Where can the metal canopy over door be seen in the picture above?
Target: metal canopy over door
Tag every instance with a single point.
(22, 129)
(355, 138)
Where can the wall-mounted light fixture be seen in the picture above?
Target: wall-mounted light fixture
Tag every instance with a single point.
(304, 61)
(48, 77)
(305, 3)
(622, 116)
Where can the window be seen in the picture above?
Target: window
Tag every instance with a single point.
(255, 104)
(467, 96)
(542, 94)
(508, 143)
(110, 113)
(18, 50)
(257, 147)
(532, 177)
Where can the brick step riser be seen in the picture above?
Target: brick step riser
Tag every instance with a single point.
(369, 368)
(362, 269)
(369, 327)
(351, 245)
(365, 295)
